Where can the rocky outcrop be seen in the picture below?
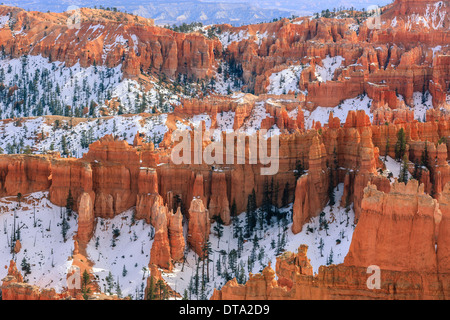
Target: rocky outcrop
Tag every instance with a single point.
(86, 218)
(24, 174)
(199, 226)
(218, 203)
(403, 232)
(411, 28)
(407, 217)
(13, 288)
(311, 191)
(176, 236)
(169, 243)
(160, 252)
(108, 38)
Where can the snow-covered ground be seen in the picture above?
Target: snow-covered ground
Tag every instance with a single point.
(325, 72)
(285, 81)
(78, 136)
(126, 257)
(120, 247)
(43, 247)
(322, 114)
(50, 87)
(227, 37)
(421, 104)
(434, 17)
(335, 244)
(252, 123)
(394, 167)
(226, 83)
(354, 27)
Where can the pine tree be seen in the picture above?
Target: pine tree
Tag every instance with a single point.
(267, 200)
(235, 220)
(321, 246)
(151, 295)
(19, 198)
(241, 278)
(218, 228)
(299, 170)
(425, 157)
(331, 194)
(160, 284)
(250, 218)
(86, 280)
(330, 257)
(400, 146)
(404, 170)
(232, 261)
(124, 271)
(64, 227)
(285, 198)
(25, 266)
(417, 170)
(69, 203)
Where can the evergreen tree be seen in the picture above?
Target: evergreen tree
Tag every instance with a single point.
(69, 203)
(124, 271)
(425, 157)
(330, 257)
(64, 227)
(404, 170)
(151, 290)
(400, 146)
(86, 280)
(234, 219)
(321, 246)
(19, 199)
(417, 170)
(250, 218)
(26, 267)
(267, 201)
(299, 170)
(241, 277)
(285, 198)
(331, 194)
(218, 228)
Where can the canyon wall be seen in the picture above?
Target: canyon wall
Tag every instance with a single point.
(108, 38)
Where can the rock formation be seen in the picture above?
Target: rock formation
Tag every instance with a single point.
(86, 218)
(199, 226)
(141, 45)
(402, 232)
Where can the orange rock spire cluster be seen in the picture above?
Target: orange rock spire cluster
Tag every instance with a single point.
(402, 228)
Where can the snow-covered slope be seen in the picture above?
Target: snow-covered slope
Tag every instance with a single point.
(285, 81)
(120, 248)
(327, 236)
(124, 256)
(325, 72)
(16, 136)
(35, 86)
(39, 223)
(322, 114)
